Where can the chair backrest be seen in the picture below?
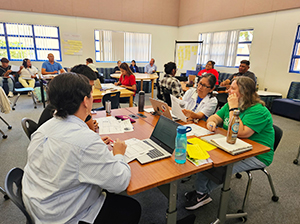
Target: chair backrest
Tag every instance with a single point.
(29, 126)
(159, 95)
(294, 91)
(114, 98)
(278, 136)
(13, 188)
(166, 94)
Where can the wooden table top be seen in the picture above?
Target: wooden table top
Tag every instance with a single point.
(138, 76)
(163, 171)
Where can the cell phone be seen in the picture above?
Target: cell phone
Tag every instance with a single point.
(133, 116)
(141, 115)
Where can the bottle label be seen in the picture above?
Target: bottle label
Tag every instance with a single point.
(235, 127)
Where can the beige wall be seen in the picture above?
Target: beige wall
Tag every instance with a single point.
(272, 46)
(162, 36)
(200, 11)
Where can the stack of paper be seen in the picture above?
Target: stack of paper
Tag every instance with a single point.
(110, 125)
(135, 148)
(197, 130)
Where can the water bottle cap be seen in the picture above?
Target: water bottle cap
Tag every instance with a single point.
(183, 129)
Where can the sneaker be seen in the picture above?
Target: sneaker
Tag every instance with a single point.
(195, 200)
(29, 93)
(10, 94)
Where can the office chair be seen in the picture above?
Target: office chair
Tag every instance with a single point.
(22, 90)
(29, 126)
(166, 96)
(14, 179)
(222, 99)
(3, 192)
(278, 135)
(297, 158)
(8, 126)
(113, 97)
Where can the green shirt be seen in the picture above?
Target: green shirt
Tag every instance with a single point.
(259, 119)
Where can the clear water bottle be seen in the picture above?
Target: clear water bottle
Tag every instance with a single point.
(180, 144)
(141, 101)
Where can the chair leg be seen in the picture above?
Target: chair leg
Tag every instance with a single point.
(3, 192)
(274, 197)
(33, 99)
(14, 104)
(3, 134)
(8, 126)
(247, 189)
(297, 158)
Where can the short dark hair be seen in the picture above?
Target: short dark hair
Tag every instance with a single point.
(212, 63)
(4, 60)
(169, 67)
(84, 70)
(89, 60)
(246, 62)
(67, 91)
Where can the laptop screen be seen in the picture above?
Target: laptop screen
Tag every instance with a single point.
(164, 133)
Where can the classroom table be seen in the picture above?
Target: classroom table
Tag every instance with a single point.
(165, 173)
(98, 94)
(140, 77)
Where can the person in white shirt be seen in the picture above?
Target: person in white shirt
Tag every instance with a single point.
(27, 74)
(200, 103)
(70, 175)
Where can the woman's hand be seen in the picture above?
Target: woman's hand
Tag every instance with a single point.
(116, 83)
(233, 101)
(211, 126)
(106, 140)
(119, 147)
(95, 123)
(187, 113)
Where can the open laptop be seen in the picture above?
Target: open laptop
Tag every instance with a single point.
(161, 108)
(162, 141)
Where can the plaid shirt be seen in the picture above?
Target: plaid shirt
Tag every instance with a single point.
(171, 84)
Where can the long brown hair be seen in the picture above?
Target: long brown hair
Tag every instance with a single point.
(126, 68)
(249, 97)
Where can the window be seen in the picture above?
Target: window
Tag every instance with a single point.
(19, 41)
(111, 46)
(295, 61)
(226, 48)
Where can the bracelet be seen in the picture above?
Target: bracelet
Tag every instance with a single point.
(235, 108)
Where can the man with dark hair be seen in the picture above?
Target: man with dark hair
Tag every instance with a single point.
(49, 110)
(243, 71)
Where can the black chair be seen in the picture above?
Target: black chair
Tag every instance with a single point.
(14, 180)
(3, 192)
(113, 97)
(166, 96)
(8, 126)
(29, 126)
(222, 100)
(278, 136)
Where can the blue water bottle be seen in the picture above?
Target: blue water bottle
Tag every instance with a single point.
(180, 144)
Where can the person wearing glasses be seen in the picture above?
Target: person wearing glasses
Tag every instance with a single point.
(200, 103)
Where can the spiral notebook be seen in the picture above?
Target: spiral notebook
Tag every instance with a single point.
(220, 141)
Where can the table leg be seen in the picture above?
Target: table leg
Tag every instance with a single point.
(170, 191)
(131, 101)
(42, 92)
(141, 84)
(152, 87)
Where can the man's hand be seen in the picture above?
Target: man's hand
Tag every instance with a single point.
(106, 140)
(55, 72)
(6, 74)
(119, 147)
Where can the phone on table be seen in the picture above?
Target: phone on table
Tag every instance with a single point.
(141, 115)
(133, 116)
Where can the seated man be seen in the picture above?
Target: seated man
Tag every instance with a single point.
(243, 71)
(71, 176)
(151, 67)
(5, 71)
(169, 82)
(117, 68)
(51, 67)
(49, 110)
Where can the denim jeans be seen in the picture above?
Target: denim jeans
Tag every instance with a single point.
(9, 82)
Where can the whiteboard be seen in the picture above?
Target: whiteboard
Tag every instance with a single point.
(186, 54)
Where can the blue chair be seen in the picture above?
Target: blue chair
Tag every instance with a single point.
(22, 90)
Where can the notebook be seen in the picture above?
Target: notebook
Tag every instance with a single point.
(220, 141)
(161, 141)
(161, 108)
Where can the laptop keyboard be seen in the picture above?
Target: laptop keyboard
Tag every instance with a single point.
(153, 153)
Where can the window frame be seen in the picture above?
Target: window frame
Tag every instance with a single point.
(34, 37)
(294, 56)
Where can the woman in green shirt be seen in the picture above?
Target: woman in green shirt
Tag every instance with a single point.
(255, 123)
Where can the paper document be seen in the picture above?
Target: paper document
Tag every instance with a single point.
(197, 130)
(177, 106)
(110, 86)
(15, 68)
(204, 145)
(135, 148)
(110, 125)
(149, 110)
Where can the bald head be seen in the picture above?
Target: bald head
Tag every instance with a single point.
(50, 57)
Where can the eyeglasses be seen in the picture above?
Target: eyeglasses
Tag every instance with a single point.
(205, 86)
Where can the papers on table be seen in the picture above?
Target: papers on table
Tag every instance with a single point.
(15, 68)
(177, 106)
(197, 130)
(135, 148)
(108, 86)
(110, 125)
(149, 110)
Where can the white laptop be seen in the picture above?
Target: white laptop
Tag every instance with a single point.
(161, 108)
(162, 141)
